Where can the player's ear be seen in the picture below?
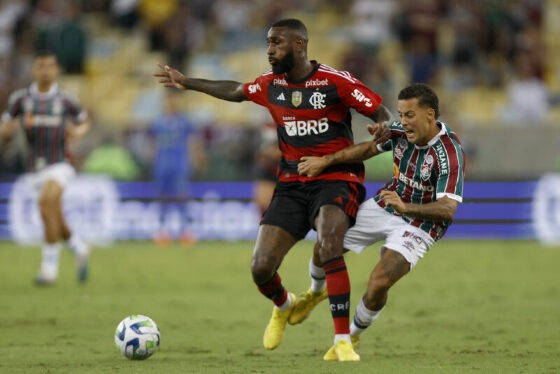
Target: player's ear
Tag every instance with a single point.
(299, 44)
(431, 114)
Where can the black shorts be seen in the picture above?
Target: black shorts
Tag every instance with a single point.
(295, 205)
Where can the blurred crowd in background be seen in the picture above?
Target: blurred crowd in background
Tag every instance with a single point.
(494, 63)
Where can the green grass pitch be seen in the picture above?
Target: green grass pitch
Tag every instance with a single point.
(468, 307)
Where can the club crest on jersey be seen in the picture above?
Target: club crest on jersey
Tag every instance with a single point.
(317, 100)
(297, 98)
(399, 150)
(426, 167)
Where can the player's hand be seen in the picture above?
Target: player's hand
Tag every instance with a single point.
(392, 199)
(75, 133)
(380, 131)
(170, 77)
(310, 166)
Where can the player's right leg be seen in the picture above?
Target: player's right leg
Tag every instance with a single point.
(282, 225)
(392, 267)
(271, 246)
(405, 245)
(49, 197)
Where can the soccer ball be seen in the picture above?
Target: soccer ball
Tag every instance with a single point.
(137, 337)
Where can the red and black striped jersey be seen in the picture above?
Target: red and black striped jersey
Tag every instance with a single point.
(44, 116)
(424, 174)
(313, 117)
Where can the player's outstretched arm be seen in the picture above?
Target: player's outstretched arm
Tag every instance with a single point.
(225, 90)
(311, 166)
(440, 210)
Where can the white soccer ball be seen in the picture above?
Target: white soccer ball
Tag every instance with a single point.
(137, 337)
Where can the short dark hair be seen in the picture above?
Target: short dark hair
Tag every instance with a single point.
(44, 53)
(294, 24)
(424, 93)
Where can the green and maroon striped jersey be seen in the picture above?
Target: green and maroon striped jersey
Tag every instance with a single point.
(425, 174)
(44, 117)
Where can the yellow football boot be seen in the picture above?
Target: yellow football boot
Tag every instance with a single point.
(331, 353)
(305, 305)
(274, 331)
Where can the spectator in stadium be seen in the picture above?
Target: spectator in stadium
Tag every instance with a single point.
(310, 105)
(178, 150)
(411, 212)
(43, 110)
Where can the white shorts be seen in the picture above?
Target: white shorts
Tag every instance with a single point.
(61, 172)
(374, 223)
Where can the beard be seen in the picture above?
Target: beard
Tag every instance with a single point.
(284, 65)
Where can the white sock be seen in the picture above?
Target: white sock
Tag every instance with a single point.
(363, 318)
(49, 263)
(77, 245)
(286, 304)
(318, 279)
(339, 337)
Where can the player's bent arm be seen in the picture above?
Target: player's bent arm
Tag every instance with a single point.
(77, 131)
(313, 166)
(7, 129)
(225, 90)
(381, 114)
(440, 210)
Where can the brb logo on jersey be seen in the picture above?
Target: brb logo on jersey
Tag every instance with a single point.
(358, 95)
(318, 100)
(303, 128)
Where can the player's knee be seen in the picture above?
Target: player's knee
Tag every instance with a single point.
(262, 271)
(330, 247)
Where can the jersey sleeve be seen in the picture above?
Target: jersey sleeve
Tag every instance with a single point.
(15, 106)
(256, 91)
(451, 171)
(357, 95)
(73, 108)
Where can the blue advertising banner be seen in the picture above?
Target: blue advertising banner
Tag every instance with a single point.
(103, 210)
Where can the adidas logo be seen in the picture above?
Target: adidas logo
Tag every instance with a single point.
(281, 97)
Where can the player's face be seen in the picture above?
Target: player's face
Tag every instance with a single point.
(45, 70)
(280, 50)
(417, 121)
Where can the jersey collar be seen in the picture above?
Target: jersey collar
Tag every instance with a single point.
(308, 75)
(435, 138)
(35, 91)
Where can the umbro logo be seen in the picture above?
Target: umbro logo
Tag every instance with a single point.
(281, 97)
(338, 200)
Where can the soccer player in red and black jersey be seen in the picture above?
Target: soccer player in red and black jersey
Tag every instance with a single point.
(310, 104)
(45, 113)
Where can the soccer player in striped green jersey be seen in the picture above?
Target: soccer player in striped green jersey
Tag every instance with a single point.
(49, 117)
(411, 212)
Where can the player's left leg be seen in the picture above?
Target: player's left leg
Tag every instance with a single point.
(78, 247)
(316, 293)
(331, 224)
(49, 195)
